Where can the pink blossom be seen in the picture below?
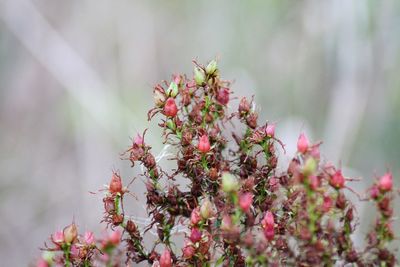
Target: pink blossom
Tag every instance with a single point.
(302, 143)
(386, 182)
(270, 130)
(165, 259)
(58, 237)
(89, 238)
(245, 201)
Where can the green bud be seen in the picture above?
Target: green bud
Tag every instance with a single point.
(171, 125)
(229, 183)
(211, 67)
(172, 89)
(199, 76)
(48, 256)
(310, 166)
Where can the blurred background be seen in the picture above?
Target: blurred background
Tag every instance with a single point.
(76, 82)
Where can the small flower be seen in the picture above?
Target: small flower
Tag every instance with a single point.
(244, 106)
(195, 235)
(188, 250)
(170, 108)
(223, 96)
(138, 140)
(245, 201)
(58, 238)
(165, 259)
(89, 238)
(337, 180)
(386, 182)
(70, 233)
(115, 184)
(268, 224)
(302, 143)
(195, 217)
(204, 144)
(270, 130)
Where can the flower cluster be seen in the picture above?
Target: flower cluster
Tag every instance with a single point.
(238, 209)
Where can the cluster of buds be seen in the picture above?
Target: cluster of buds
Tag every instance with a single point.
(69, 248)
(239, 208)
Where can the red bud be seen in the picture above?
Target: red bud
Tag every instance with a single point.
(170, 108)
(204, 144)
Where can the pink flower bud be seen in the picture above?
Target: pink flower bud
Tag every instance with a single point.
(268, 220)
(138, 140)
(245, 201)
(170, 108)
(374, 192)
(337, 180)
(315, 152)
(302, 143)
(42, 263)
(223, 96)
(386, 182)
(188, 250)
(269, 233)
(270, 130)
(58, 238)
(165, 259)
(115, 237)
(195, 235)
(177, 78)
(204, 144)
(195, 217)
(268, 224)
(244, 106)
(327, 204)
(89, 238)
(115, 184)
(70, 233)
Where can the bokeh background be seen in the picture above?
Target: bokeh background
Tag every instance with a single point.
(76, 81)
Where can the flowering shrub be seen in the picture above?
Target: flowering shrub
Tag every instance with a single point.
(238, 209)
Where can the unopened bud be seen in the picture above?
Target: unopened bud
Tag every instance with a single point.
(199, 76)
(70, 233)
(211, 67)
(229, 183)
(386, 182)
(165, 259)
(206, 209)
(172, 89)
(302, 143)
(310, 166)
